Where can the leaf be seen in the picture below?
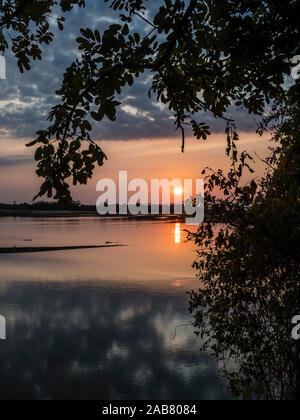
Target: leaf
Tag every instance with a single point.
(32, 143)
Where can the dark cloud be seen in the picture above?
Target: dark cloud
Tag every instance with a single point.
(14, 160)
(25, 100)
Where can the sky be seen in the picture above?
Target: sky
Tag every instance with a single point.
(142, 140)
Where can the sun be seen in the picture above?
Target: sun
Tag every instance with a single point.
(178, 191)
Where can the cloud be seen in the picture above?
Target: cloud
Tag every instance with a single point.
(14, 160)
(25, 100)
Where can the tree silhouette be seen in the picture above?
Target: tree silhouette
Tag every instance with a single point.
(249, 270)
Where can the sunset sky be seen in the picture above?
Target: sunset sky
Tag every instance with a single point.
(141, 141)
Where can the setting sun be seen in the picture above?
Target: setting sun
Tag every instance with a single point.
(178, 191)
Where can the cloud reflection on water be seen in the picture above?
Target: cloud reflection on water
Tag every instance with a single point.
(89, 342)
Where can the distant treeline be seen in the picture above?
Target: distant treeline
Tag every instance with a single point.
(76, 206)
(48, 209)
(46, 205)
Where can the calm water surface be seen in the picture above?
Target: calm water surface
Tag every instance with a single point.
(101, 323)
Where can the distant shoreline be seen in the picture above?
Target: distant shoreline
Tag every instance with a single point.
(86, 213)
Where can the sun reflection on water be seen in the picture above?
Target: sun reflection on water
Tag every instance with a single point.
(177, 238)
